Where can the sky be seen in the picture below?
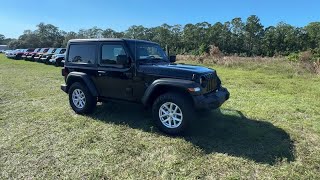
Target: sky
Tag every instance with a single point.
(72, 15)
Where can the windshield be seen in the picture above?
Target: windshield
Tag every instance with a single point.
(60, 51)
(42, 50)
(144, 51)
(63, 50)
(51, 50)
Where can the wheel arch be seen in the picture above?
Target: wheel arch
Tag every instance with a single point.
(162, 86)
(82, 78)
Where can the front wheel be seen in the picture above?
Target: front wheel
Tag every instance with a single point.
(172, 112)
(80, 99)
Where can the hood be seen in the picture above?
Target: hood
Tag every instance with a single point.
(184, 71)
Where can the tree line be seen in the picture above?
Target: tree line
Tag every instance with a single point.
(235, 37)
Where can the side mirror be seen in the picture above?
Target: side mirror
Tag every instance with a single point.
(122, 59)
(172, 58)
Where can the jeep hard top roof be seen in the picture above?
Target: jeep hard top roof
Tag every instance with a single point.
(109, 39)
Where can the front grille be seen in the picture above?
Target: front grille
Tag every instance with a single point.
(211, 80)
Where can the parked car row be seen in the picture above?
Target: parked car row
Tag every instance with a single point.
(45, 55)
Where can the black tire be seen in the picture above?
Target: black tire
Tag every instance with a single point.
(185, 106)
(57, 64)
(90, 101)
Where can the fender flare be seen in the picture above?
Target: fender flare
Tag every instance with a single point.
(176, 83)
(81, 77)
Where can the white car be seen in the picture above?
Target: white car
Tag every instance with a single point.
(9, 53)
(13, 53)
(57, 59)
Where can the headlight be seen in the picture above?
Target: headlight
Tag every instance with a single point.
(196, 89)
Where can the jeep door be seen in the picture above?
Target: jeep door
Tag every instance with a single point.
(114, 80)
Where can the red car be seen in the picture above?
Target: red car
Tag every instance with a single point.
(21, 53)
(26, 54)
(40, 53)
(33, 54)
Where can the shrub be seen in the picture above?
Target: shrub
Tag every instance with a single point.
(293, 57)
(200, 59)
(214, 51)
(203, 49)
(305, 56)
(316, 66)
(195, 52)
(316, 54)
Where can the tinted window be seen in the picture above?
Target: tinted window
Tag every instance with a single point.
(82, 54)
(110, 53)
(62, 51)
(51, 50)
(148, 51)
(43, 49)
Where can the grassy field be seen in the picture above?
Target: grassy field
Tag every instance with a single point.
(270, 128)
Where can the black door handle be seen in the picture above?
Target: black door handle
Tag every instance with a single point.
(100, 73)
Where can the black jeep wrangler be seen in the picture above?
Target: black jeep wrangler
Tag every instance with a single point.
(139, 71)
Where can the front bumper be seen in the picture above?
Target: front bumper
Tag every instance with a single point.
(43, 59)
(53, 61)
(11, 56)
(211, 100)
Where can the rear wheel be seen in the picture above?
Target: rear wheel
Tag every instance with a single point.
(80, 99)
(172, 112)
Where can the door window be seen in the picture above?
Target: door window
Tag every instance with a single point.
(110, 52)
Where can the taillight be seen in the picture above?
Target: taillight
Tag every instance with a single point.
(64, 72)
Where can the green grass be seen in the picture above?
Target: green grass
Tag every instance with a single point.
(270, 128)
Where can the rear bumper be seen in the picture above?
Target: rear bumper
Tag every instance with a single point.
(212, 100)
(64, 88)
